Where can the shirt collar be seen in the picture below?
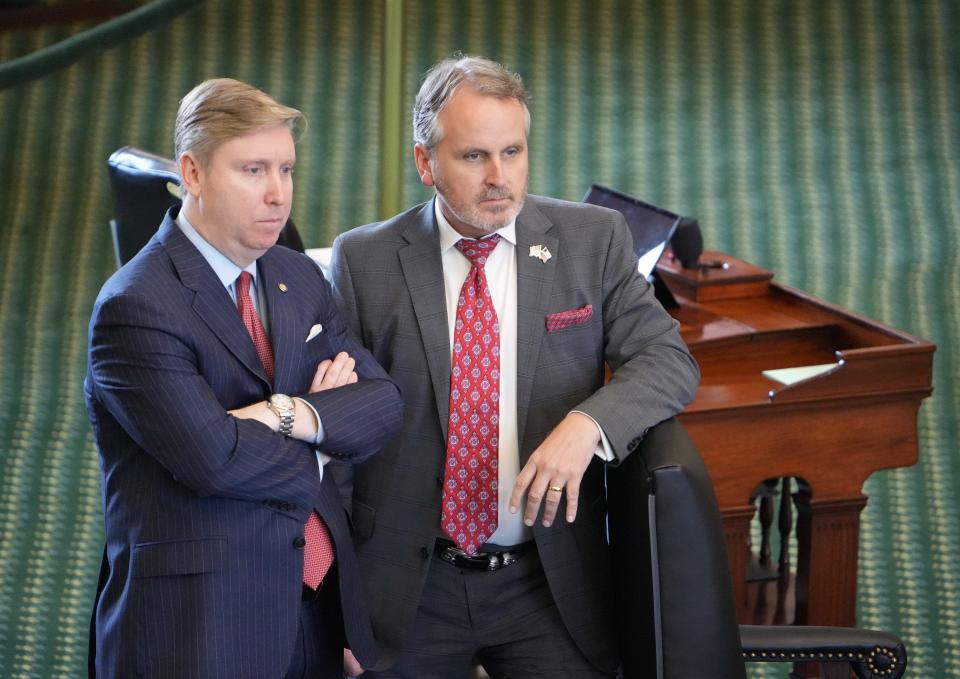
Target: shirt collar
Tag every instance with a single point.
(226, 270)
(449, 235)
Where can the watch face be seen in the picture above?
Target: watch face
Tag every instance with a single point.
(282, 401)
(285, 409)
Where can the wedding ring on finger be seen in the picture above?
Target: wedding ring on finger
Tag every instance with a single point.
(556, 489)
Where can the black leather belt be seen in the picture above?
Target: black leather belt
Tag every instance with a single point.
(481, 561)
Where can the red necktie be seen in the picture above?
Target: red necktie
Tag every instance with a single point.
(470, 478)
(318, 553)
(250, 319)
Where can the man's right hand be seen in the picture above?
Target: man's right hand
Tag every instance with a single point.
(334, 373)
(329, 375)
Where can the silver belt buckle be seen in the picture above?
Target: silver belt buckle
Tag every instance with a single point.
(450, 554)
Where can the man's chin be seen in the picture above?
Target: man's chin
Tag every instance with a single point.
(489, 227)
(499, 216)
(269, 236)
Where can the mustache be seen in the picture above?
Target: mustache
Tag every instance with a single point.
(491, 194)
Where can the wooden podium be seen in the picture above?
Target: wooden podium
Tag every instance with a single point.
(831, 430)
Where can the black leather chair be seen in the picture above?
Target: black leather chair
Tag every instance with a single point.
(144, 186)
(675, 597)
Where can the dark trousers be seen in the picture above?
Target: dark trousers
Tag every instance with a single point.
(506, 619)
(318, 653)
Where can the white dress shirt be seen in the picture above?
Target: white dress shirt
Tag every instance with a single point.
(501, 274)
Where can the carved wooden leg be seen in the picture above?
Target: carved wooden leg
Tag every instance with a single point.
(785, 526)
(828, 536)
(736, 526)
(784, 608)
(766, 520)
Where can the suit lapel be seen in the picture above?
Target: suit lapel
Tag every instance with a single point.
(423, 271)
(211, 300)
(534, 289)
(284, 313)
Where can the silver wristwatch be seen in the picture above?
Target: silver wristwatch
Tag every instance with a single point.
(284, 408)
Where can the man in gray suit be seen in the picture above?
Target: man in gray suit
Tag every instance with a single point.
(496, 313)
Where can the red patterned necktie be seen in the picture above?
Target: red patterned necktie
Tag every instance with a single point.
(318, 552)
(470, 478)
(250, 319)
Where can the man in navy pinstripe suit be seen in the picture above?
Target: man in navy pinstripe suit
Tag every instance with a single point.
(210, 468)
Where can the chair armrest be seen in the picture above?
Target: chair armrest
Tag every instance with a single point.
(871, 654)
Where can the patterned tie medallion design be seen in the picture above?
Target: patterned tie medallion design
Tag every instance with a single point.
(469, 514)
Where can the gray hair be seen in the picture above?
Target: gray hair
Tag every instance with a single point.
(441, 82)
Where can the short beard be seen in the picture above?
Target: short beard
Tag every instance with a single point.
(477, 219)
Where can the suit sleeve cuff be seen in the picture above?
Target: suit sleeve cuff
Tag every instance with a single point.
(322, 458)
(604, 451)
(321, 434)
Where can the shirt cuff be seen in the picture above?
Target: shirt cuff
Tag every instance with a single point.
(604, 451)
(321, 434)
(322, 458)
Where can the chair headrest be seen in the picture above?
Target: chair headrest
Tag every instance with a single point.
(130, 160)
(145, 185)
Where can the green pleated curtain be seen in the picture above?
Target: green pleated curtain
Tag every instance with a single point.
(818, 139)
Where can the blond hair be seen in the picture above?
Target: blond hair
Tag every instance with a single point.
(221, 109)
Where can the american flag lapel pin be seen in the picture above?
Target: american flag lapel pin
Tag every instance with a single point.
(540, 252)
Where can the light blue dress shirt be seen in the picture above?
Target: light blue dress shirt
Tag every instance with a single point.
(228, 272)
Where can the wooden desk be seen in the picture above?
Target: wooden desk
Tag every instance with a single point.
(832, 430)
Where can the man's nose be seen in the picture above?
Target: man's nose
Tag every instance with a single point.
(495, 173)
(274, 191)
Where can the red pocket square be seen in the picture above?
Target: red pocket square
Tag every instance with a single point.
(564, 319)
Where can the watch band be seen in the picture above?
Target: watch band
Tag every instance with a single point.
(284, 408)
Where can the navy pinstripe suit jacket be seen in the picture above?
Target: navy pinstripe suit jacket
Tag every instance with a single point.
(204, 510)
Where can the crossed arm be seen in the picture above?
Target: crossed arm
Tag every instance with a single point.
(330, 374)
(159, 389)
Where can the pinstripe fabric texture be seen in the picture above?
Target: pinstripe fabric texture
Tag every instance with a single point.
(252, 322)
(818, 139)
(218, 502)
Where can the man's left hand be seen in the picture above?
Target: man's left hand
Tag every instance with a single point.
(351, 666)
(555, 467)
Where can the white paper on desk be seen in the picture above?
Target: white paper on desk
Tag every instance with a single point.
(803, 372)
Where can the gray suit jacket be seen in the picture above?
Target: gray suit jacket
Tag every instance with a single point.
(389, 279)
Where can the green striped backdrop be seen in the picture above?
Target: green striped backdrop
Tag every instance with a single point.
(819, 139)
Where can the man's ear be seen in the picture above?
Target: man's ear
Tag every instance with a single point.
(190, 173)
(421, 156)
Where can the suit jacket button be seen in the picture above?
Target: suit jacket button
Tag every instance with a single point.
(424, 552)
(439, 482)
(299, 542)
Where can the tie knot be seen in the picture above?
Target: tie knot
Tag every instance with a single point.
(243, 281)
(477, 251)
